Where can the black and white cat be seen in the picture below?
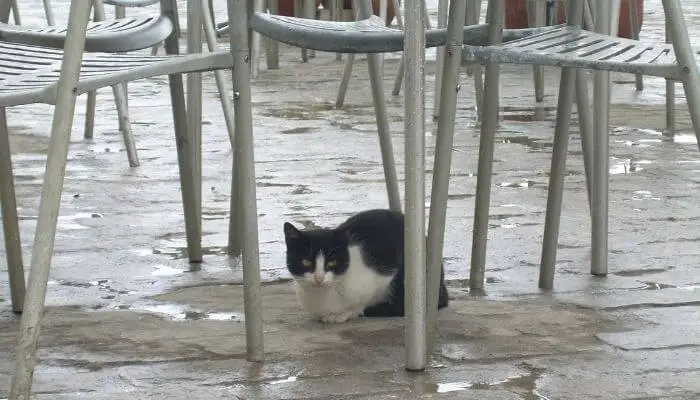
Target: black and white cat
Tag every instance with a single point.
(356, 268)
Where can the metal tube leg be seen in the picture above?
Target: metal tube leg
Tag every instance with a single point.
(635, 28)
(299, 12)
(670, 95)
(15, 12)
(344, 81)
(238, 14)
(585, 121)
(98, 15)
(440, 58)
(49, 13)
(472, 18)
(193, 111)
(10, 221)
(398, 78)
(127, 134)
(374, 63)
(185, 154)
(536, 16)
(442, 162)
(272, 47)
(414, 229)
(30, 325)
(685, 56)
(557, 176)
(486, 145)
(392, 182)
(601, 111)
(90, 105)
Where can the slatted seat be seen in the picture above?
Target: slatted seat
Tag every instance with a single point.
(368, 35)
(570, 46)
(28, 74)
(127, 34)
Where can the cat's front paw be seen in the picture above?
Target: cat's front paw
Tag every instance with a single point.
(337, 318)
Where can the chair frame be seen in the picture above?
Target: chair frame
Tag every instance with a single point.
(63, 94)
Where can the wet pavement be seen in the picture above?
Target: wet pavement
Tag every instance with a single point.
(131, 319)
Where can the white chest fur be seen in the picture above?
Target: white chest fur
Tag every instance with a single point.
(348, 294)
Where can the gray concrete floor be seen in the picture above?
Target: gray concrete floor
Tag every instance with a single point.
(130, 319)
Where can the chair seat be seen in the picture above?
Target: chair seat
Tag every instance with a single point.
(568, 46)
(29, 74)
(122, 35)
(363, 36)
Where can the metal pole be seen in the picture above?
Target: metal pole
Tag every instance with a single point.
(194, 104)
(414, 230)
(489, 124)
(670, 92)
(30, 325)
(685, 56)
(239, 15)
(443, 161)
(606, 18)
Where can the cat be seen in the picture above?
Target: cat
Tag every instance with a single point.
(356, 268)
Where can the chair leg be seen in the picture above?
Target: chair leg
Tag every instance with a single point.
(344, 81)
(89, 131)
(272, 47)
(185, 154)
(442, 163)
(489, 124)
(10, 222)
(299, 12)
(475, 70)
(585, 120)
(244, 169)
(193, 107)
(556, 178)
(392, 183)
(120, 101)
(635, 29)
(536, 18)
(374, 63)
(50, 203)
(440, 58)
(670, 96)
(414, 238)
(677, 31)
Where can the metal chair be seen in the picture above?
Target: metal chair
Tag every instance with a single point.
(57, 77)
(146, 29)
(574, 50)
(366, 35)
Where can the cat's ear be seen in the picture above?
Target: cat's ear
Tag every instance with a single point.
(290, 232)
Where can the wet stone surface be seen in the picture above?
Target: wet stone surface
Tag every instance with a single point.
(132, 319)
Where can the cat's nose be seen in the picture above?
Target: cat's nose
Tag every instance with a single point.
(318, 279)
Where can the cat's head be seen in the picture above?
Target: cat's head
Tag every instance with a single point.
(316, 257)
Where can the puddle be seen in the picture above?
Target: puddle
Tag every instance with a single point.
(639, 272)
(533, 144)
(524, 384)
(656, 286)
(179, 312)
(180, 252)
(685, 138)
(285, 380)
(644, 195)
(525, 184)
(626, 166)
(164, 270)
(300, 130)
(527, 114)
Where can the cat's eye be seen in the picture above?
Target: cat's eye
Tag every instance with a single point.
(306, 263)
(332, 264)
